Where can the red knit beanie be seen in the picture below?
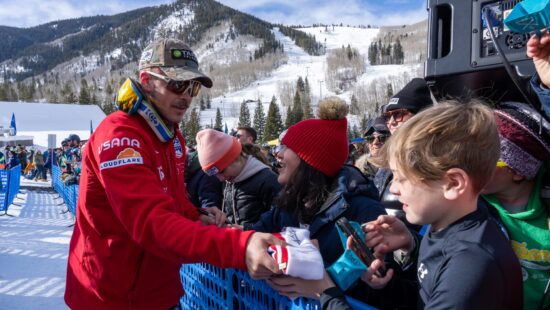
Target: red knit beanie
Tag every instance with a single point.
(216, 150)
(322, 143)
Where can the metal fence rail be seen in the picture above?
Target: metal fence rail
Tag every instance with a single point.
(69, 193)
(209, 287)
(10, 180)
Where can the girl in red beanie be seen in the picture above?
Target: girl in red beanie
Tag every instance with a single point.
(318, 188)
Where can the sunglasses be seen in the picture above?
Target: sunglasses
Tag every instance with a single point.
(397, 115)
(279, 149)
(380, 138)
(190, 87)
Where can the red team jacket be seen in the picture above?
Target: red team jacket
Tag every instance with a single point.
(135, 225)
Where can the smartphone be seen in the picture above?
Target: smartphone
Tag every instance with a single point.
(359, 246)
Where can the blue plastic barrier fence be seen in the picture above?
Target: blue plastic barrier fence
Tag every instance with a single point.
(68, 193)
(10, 180)
(209, 287)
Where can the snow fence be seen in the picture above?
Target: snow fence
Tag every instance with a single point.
(10, 181)
(69, 193)
(209, 287)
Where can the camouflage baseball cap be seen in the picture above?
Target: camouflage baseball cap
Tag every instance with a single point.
(175, 59)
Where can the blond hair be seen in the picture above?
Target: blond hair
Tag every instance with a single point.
(448, 135)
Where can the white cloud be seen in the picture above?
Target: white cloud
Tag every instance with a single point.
(307, 12)
(28, 13)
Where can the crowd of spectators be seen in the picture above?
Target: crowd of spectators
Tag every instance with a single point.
(450, 199)
(317, 188)
(37, 164)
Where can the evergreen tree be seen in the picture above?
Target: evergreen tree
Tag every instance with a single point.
(289, 120)
(12, 94)
(219, 120)
(32, 89)
(297, 109)
(202, 104)
(109, 90)
(306, 101)
(93, 99)
(84, 96)
(364, 123)
(300, 85)
(192, 127)
(389, 92)
(24, 92)
(67, 93)
(307, 111)
(244, 116)
(372, 54)
(108, 108)
(3, 92)
(307, 90)
(399, 56)
(259, 120)
(273, 123)
(208, 102)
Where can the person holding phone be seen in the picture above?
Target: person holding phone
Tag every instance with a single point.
(441, 160)
(318, 188)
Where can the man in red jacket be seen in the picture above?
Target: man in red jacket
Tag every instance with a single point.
(135, 225)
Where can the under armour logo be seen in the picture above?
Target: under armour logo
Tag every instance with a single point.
(422, 272)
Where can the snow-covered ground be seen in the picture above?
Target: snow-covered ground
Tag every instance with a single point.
(34, 246)
(40, 119)
(302, 64)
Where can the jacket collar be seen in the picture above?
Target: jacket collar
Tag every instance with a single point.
(349, 182)
(130, 98)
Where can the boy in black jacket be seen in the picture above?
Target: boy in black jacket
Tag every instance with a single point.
(441, 159)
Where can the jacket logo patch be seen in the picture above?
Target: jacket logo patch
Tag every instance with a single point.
(127, 157)
(178, 148)
(124, 141)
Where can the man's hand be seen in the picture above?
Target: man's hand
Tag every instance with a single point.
(295, 287)
(372, 278)
(387, 234)
(539, 50)
(259, 264)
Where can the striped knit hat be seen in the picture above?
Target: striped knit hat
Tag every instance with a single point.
(323, 142)
(524, 138)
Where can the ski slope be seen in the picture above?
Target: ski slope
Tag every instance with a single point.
(302, 64)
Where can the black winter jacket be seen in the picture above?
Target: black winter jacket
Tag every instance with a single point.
(245, 201)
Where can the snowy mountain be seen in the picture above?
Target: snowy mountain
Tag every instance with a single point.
(86, 59)
(299, 63)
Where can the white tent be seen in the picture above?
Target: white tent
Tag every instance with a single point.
(40, 119)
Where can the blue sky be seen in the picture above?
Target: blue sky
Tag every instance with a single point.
(27, 13)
